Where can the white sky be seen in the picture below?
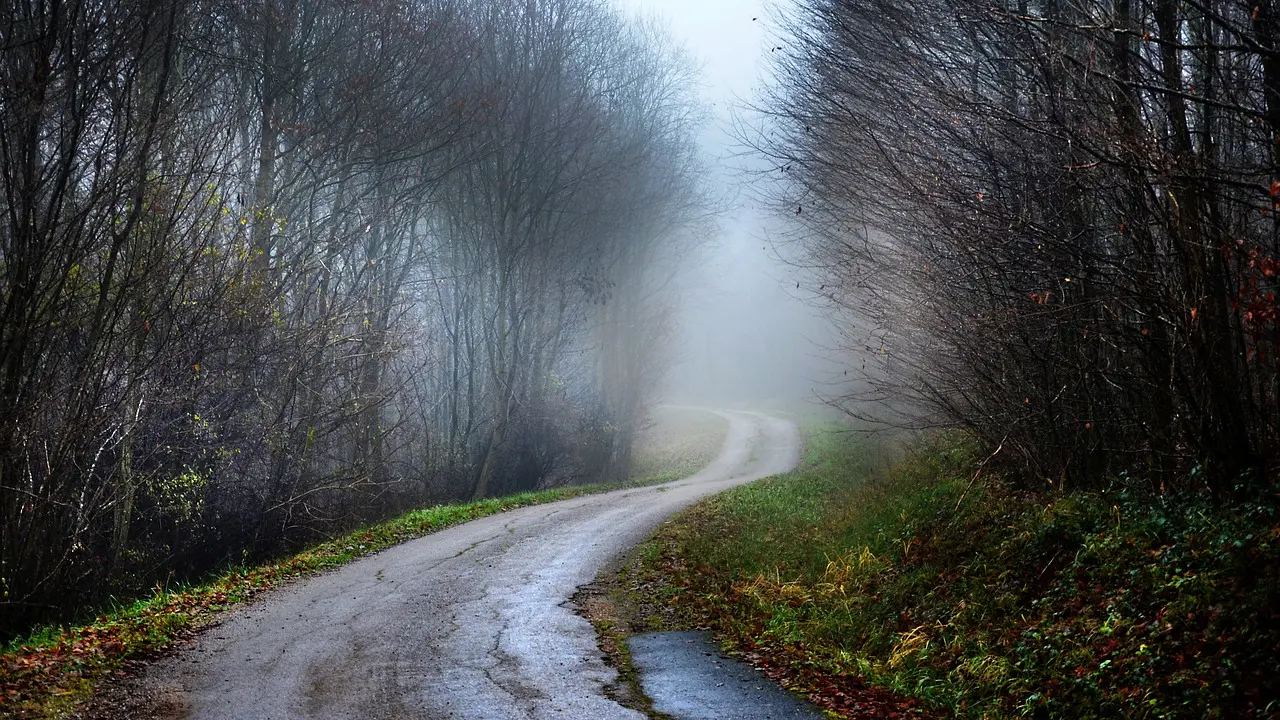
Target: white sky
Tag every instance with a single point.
(726, 38)
(720, 33)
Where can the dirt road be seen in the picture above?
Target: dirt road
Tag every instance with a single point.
(471, 622)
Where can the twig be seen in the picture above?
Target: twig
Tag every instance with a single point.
(974, 479)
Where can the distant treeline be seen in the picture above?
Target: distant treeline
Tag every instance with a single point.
(1056, 222)
(273, 268)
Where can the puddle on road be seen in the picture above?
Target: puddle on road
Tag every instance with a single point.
(688, 678)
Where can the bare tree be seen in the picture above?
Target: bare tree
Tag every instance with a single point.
(1053, 221)
(272, 268)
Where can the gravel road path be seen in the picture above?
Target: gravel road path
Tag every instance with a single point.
(471, 622)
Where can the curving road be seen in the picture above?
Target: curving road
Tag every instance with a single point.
(471, 622)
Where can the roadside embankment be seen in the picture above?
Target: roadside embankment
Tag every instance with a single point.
(925, 585)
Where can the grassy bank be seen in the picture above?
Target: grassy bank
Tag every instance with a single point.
(53, 670)
(975, 600)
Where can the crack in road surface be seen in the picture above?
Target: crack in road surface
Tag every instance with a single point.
(471, 622)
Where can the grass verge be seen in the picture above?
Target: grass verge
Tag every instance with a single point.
(654, 589)
(974, 600)
(51, 672)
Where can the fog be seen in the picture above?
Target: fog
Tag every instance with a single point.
(749, 324)
(339, 262)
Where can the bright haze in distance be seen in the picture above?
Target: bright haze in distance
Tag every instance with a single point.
(745, 334)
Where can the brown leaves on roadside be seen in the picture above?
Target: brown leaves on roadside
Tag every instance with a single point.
(848, 695)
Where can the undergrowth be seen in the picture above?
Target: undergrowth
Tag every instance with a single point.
(985, 602)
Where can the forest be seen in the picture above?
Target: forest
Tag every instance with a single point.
(272, 269)
(1053, 223)
(280, 279)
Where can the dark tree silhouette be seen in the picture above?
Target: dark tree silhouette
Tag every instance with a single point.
(1053, 223)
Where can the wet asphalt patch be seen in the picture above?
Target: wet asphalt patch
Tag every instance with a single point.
(688, 678)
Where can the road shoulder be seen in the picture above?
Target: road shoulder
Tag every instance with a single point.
(627, 601)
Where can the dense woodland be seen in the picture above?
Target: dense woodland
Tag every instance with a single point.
(273, 268)
(1057, 222)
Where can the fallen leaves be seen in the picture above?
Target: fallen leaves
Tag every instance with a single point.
(847, 695)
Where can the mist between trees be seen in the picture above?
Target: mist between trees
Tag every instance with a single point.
(1054, 222)
(272, 269)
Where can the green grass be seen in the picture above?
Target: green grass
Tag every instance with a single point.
(979, 601)
(52, 670)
